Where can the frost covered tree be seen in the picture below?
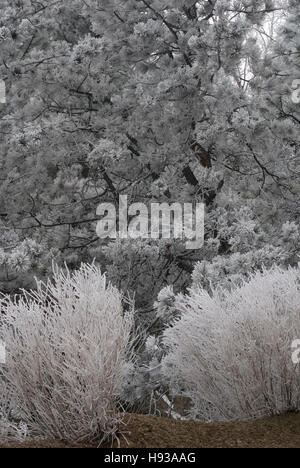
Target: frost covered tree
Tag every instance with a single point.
(158, 102)
(259, 215)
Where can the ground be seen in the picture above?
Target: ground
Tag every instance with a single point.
(153, 432)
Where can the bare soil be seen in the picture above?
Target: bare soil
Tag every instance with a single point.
(153, 432)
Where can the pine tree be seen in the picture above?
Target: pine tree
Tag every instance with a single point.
(150, 100)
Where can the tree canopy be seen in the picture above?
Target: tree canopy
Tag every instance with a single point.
(184, 101)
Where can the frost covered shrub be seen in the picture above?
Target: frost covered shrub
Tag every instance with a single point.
(11, 427)
(230, 352)
(69, 350)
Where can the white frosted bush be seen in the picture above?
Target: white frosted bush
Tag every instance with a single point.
(11, 428)
(68, 350)
(230, 352)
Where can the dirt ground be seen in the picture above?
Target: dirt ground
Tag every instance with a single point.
(152, 432)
